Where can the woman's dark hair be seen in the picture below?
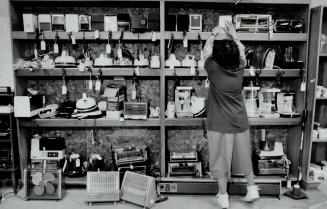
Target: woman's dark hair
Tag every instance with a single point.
(226, 54)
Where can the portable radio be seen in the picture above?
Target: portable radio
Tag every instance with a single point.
(45, 22)
(136, 110)
(58, 22)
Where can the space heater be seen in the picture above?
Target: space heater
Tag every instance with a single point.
(102, 187)
(139, 189)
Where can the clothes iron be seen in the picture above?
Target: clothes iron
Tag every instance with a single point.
(155, 62)
(65, 60)
(103, 61)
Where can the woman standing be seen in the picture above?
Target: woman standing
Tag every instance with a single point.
(228, 127)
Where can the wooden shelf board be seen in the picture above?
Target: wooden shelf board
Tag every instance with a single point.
(74, 72)
(264, 72)
(8, 169)
(321, 98)
(252, 122)
(243, 36)
(78, 181)
(89, 35)
(101, 122)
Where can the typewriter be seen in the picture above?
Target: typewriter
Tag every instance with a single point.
(131, 155)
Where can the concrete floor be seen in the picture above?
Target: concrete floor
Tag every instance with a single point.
(74, 199)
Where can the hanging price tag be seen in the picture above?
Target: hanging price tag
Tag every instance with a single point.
(73, 40)
(134, 92)
(120, 53)
(43, 45)
(78, 163)
(36, 55)
(96, 34)
(154, 36)
(81, 67)
(137, 71)
(90, 85)
(185, 42)
(108, 49)
(98, 85)
(251, 71)
(55, 48)
(63, 89)
(303, 87)
(289, 184)
(207, 83)
(192, 70)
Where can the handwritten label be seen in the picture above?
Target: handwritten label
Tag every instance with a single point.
(55, 48)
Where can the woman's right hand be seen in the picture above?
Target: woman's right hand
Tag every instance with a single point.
(230, 30)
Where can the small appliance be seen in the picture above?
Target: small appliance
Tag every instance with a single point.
(289, 26)
(255, 23)
(268, 103)
(179, 157)
(58, 22)
(131, 155)
(84, 22)
(183, 22)
(49, 111)
(155, 62)
(139, 189)
(124, 22)
(72, 22)
(45, 22)
(171, 22)
(251, 101)
(195, 22)
(65, 60)
(153, 21)
(189, 61)
(115, 96)
(172, 62)
(97, 22)
(138, 23)
(136, 110)
(30, 22)
(73, 166)
(183, 101)
(96, 163)
(47, 148)
(26, 106)
(110, 23)
(190, 169)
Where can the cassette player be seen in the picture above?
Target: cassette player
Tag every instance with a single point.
(177, 157)
(191, 169)
(131, 155)
(255, 23)
(47, 148)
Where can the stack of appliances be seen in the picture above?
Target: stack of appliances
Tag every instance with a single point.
(184, 164)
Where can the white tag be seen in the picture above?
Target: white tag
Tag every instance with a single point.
(207, 83)
(185, 42)
(36, 54)
(251, 71)
(108, 49)
(154, 36)
(73, 39)
(137, 71)
(43, 45)
(55, 48)
(96, 34)
(271, 34)
(289, 184)
(90, 85)
(81, 67)
(119, 78)
(97, 85)
(63, 89)
(120, 53)
(78, 163)
(171, 66)
(192, 70)
(303, 88)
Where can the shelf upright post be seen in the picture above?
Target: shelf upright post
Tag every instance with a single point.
(162, 91)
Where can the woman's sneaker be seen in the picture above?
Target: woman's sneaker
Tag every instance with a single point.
(252, 194)
(223, 200)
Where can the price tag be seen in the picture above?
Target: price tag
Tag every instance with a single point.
(271, 34)
(207, 83)
(55, 48)
(81, 67)
(96, 34)
(90, 85)
(78, 163)
(63, 89)
(289, 184)
(303, 87)
(36, 55)
(120, 53)
(154, 36)
(97, 85)
(251, 71)
(43, 45)
(108, 49)
(192, 70)
(137, 70)
(185, 42)
(73, 40)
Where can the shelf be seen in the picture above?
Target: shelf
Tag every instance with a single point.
(294, 37)
(321, 98)
(74, 72)
(101, 122)
(8, 169)
(264, 72)
(78, 181)
(319, 140)
(252, 122)
(89, 35)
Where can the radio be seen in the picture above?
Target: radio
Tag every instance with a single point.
(72, 23)
(97, 22)
(255, 23)
(131, 155)
(289, 26)
(195, 22)
(45, 22)
(177, 157)
(136, 110)
(47, 148)
(193, 169)
(58, 22)
(84, 23)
